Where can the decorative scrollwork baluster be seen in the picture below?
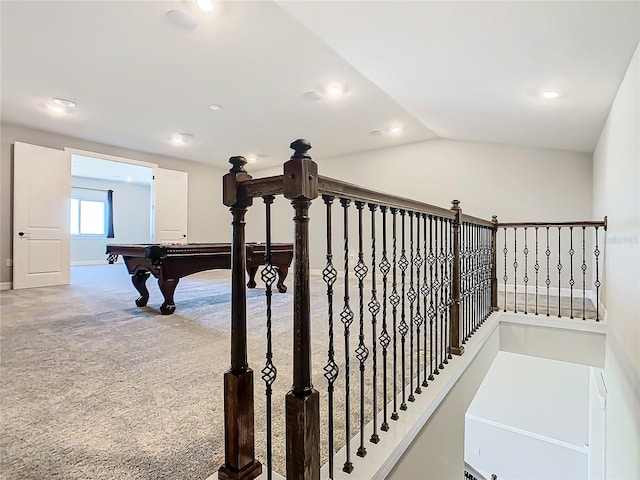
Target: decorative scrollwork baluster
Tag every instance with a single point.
(411, 295)
(385, 339)
(597, 283)
(269, 371)
(417, 320)
(436, 288)
(425, 294)
(331, 370)
(559, 271)
(505, 278)
(403, 263)
(374, 309)
(526, 270)
(548, 280)
(362, 352)
(515, 269)
(583, 267)
(432, 311)
(394, 300)
(442, 307)
(536, 267)
(346, 316)
(571, 280)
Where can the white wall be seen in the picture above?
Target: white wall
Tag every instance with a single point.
(209, 220)
(515, 183)
(616, 193)
(530, 420)
(131, 219)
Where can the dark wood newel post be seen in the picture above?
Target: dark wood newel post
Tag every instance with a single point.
(456, 347)
(302, 401)
(494, 265)
(240, 462)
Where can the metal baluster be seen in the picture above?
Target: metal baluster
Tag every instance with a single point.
(411, 295)
(526, 269)
(559, 272)
(584, 281)
(329, 275)
(548, 280)
(447, 280)
(403, 328)
(346, 316)
(597, 283)
(385, 339)
(374, 309)
(432, 312)
(417, 320)
(505, 278)
(465, 282)
(425, 294)
(442, 306)
(394, 299)
(537, 269)
(362, 352)
(515, 269)
(269, 371)
(571, 280)
(436, 286)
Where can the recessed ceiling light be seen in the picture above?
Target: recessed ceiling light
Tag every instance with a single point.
(182, 19)
(550, 94)
(63, 102)
(395, 130)
(181, 138)
(312, 96)
(335, 90)
(57, 109)
(215, 108)
(205, 5)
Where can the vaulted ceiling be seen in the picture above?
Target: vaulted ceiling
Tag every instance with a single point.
(458, 70)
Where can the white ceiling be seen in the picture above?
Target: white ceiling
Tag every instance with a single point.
(460, 70)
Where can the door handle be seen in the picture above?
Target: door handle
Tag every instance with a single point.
(23, 234)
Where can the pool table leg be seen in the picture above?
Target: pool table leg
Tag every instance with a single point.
(251, 271)
(139, 280)
(282, 274)
(167, 287)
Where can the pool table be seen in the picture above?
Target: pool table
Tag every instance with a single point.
(169, 263)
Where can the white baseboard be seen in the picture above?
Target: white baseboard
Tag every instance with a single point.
(6, 285)
(81, 263)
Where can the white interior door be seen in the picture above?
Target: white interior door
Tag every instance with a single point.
(171, 192)
(41, 238)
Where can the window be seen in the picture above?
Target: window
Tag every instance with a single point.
(87, 217)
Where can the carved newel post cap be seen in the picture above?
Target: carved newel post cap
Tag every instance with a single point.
(238, 164)
(494, 219)
(456, 204)
(300, 147)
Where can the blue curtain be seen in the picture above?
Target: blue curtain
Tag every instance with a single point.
(110, 233)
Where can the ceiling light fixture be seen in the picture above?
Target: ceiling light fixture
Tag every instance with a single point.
(63, 102)
(57, 109)
(252, 159)
(181, 138)
(550, 94)
(335, 90)
(215, 108)
(205, 5)
(182, 19)
(395, 130)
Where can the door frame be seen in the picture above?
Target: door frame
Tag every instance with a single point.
(154, 166)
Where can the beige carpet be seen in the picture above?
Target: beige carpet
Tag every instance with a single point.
(94, 387)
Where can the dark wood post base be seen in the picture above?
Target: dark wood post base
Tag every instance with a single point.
(457, 350)
(303, 436)
(250, 472)
(240, 460)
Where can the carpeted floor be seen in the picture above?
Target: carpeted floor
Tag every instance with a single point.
(94, 387)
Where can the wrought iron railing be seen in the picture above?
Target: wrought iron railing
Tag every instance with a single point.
(422, 280)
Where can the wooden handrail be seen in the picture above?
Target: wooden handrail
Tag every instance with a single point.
(260, 187)
(601, 223)
(338, 188)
